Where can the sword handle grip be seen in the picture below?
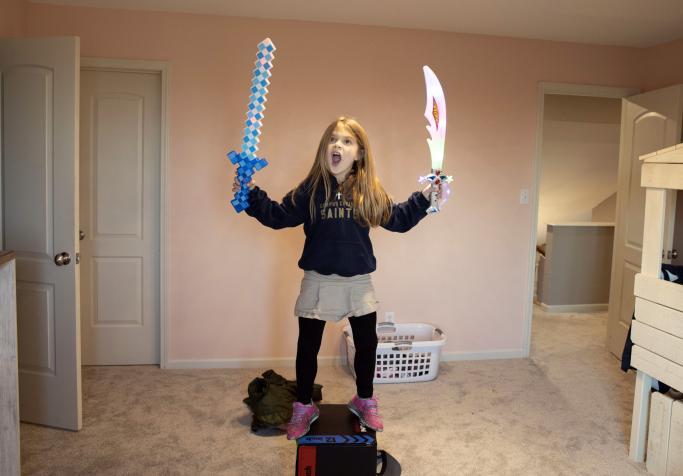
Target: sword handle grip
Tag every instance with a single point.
(433, 203)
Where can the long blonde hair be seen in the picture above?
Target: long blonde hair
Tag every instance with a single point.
(371, 203)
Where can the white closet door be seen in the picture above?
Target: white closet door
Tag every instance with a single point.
(40, 81)
(120, 147)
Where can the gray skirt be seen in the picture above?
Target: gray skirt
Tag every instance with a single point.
(333, 297)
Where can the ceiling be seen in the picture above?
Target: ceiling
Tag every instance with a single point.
(639, 23)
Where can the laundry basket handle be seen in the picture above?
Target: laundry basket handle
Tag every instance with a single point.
(402, 345)
(386, 327)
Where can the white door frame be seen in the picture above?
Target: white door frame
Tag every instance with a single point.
(566, 90)
(163, 68)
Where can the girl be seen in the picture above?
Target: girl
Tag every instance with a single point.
(338, 202)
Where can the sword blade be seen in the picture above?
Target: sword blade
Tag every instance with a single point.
(258, 97)
(435, 113)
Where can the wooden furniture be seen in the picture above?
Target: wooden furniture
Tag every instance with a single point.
(9, 384)
(665, 436)
(657, 330)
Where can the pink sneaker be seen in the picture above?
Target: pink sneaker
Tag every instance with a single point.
(366, 410)
(302, 418)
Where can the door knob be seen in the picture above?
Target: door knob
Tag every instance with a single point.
(62, 259)
(81, 235)
(674, 254)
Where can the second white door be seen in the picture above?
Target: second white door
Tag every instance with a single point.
(119, 210)
(649, 122)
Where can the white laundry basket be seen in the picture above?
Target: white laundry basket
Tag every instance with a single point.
(405, 352)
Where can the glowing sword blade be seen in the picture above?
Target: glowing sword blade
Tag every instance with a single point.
(435, 113)
(247, 162)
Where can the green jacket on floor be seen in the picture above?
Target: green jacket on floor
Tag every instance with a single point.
(271, 398)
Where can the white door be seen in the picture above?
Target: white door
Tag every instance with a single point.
(649, 122)
(119, 185)
(40, 221)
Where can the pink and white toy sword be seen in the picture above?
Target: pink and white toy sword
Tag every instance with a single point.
(435, 112)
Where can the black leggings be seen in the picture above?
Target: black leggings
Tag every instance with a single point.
(310, 337)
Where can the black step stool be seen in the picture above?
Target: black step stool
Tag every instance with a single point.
(337, 445)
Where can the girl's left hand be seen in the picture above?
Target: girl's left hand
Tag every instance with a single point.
(432, 187)
(236, 183)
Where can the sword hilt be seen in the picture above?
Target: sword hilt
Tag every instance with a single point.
(436, 177)
(433, 203)
(246, 166)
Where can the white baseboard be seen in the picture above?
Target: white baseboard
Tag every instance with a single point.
(247, 363)
(483, 355)
(573, 307)
(324, 361)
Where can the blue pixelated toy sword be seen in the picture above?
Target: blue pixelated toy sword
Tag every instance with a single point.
(247, 162)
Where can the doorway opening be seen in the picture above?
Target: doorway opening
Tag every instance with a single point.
(574, 199)
(576, 202)
(123, 220)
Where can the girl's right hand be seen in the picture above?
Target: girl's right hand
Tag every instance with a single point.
(236, 183)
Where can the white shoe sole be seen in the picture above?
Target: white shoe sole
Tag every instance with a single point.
(356, 412)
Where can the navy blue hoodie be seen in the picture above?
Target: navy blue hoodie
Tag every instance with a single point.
(335, 242)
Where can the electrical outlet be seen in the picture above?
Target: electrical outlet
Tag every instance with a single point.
(389, 316)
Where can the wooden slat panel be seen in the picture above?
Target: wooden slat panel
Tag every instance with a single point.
(662, 176)
(661, 343)
(9, 384)
(649, 155)
(674, 464)
(6, 256)
(659, 291)
(668, 155)
(658, 367)
(660, 317)
(658, 433)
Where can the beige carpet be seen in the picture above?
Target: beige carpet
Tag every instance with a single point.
(565, 411)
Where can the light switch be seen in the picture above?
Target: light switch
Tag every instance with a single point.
(524, 196)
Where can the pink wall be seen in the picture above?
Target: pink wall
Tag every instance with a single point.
(662, 65)
(233, 283)
(12, 18)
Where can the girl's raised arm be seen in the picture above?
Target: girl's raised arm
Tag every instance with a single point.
(290, 212)
(406, 215)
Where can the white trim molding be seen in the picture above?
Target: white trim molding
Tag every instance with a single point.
(249, 363)
(567, 90)
(164, 69)
(483, 355)
(573, 307)
(329, 361)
